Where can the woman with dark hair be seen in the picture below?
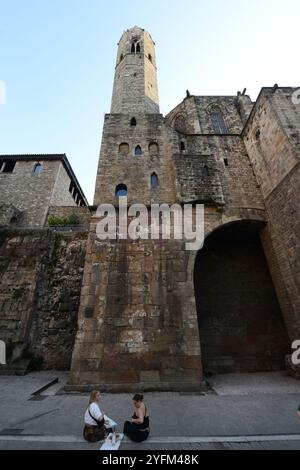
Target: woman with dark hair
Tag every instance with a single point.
(138, 428)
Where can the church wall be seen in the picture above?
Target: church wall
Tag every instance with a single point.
(274, 153)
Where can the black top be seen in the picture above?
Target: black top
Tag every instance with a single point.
(145, 423)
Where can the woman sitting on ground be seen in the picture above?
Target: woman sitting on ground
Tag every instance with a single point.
(138, 428)
(94, 429)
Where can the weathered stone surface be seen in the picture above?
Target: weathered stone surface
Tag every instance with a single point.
(40, 279)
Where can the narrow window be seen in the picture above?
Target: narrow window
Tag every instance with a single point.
(138, 151)
(154, 181)
(9, 166)
(133, 47)
(205, 171)
(138, 48)
(226, 162)
(133, 122)
(218, 123)
(37, 169)
(121, 190)
(121, 57)
(182, 146)
(150, 57)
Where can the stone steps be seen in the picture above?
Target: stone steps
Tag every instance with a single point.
(20, 368)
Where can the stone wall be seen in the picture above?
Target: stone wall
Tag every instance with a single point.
(83, 213)
(137, 325)
(40, 279)
(117, 166)
(135, 84)
(272, 138)
(30, 193)
(195, 111)
(61, 195)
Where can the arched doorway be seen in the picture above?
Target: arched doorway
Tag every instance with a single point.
(240, 322)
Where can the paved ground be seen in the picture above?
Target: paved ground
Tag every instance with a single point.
(248, 411)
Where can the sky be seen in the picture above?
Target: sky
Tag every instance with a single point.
(57, 60)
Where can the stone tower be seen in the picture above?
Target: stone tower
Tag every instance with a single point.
(135, 85)
(134, 331)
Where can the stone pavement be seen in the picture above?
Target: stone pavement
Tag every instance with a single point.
(247, 411)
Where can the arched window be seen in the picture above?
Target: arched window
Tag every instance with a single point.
(154, 181)
(138, 48)
(37, 169)
(217, 121)
(138, 151)
(205, 171)
(133, 122)
(124, 148)
(153, 149)
(121, 190)
(133, 47)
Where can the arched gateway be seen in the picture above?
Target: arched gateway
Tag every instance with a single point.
(240, 322)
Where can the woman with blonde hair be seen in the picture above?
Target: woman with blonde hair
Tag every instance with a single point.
(94, 429)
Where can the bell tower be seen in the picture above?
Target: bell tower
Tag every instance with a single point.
(135, 85)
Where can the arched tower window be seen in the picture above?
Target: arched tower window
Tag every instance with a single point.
(121, 190)
(154, 181)
(133, 122)
(138, 151)
(37, 168)
(205, 171)
(135, 47)
(217, 121)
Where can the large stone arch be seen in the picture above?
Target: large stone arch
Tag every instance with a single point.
(240, 322)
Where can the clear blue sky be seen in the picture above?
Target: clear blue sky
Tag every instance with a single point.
(57, 59)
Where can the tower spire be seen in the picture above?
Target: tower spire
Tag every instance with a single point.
(135, 85)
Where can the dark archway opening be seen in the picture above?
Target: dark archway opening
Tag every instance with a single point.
(240, 321)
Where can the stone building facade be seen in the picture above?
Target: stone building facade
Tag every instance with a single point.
(153, 315)
(31, 184)
(150, 314)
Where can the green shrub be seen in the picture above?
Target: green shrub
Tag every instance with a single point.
(54, 221)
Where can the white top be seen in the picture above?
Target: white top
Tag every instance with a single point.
(95, 412)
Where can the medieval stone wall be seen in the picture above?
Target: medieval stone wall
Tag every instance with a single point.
(137, 325)
(40, 279)
(272, 139)
(82, 213)
(118, 163)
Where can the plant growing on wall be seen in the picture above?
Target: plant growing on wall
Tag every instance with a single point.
(54, 221)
